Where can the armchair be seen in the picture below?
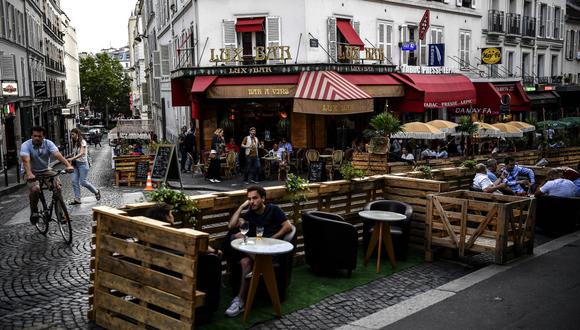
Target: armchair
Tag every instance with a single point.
(330, 243)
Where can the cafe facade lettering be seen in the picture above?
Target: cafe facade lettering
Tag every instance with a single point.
(426, 69)
(476, 110)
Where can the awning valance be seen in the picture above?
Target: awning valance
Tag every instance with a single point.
(435, 91)
(542, 98)
(377, 85)
(201, 83)
(349, 33)
(250, 24)
(272, 86)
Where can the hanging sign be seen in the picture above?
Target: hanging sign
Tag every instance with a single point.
(436, 54)
(408, 46)
(491, 55)
(9, 88)
(424, 25)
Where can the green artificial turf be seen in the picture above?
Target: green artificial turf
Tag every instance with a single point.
(305, 289)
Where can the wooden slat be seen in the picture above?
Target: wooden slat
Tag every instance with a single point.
(106, 320)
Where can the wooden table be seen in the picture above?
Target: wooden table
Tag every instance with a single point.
(263, 250)
(381, 234)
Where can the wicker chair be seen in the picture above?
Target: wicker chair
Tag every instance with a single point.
(337, 157)
(230, 165)
(312, 155)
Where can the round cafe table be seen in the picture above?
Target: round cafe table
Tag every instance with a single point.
(263, 250)
(381, 234)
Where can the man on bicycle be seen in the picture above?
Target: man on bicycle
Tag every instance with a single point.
(35, 154)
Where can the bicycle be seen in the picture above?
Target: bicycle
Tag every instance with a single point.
(57, 205)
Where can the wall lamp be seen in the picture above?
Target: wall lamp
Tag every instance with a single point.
(140, 37)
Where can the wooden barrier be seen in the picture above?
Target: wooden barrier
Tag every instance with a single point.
(143, 272)
(125, 168)
(480, 223)
(372, 164)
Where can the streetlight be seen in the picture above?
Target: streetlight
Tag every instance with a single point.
(140, 37)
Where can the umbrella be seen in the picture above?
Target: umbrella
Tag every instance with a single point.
(508, 130)
(575, 121)
(555, 124)
(418, 130)
(487, 130)
(524, 127)
(444, 125)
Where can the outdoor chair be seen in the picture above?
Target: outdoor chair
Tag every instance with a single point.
(283, 167)
(399, 230)
(330, 243)
(295, 159)
(312, 156)
(229, 166)
(336, 162)
(209, 280)
(348, 154)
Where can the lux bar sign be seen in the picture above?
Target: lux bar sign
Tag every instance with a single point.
(262, 53)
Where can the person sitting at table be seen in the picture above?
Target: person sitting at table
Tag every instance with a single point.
(555, 185)
(491, 169)
(407, 156)
(427, 153)
(441, 153)
(285, 145)
(213, 170)
(276, 225)
(232, 146)
(513, 172)
(482, 181)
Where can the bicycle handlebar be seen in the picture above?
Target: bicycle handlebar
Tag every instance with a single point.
(44, 176)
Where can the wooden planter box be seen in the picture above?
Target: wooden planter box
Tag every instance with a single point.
(373, 164)
(481, 223)
(125, 168)
(143, 272)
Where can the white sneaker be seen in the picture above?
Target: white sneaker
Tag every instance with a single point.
(249, 275)
(216, 180)
(211, 180)
(235, 308)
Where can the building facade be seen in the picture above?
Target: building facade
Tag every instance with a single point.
(570, 89)
(136, 65)
(73, 84)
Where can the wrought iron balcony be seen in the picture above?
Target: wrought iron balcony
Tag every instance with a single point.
(495, 21)
(528, 80)
(529, 27)
(544, 80)
(513, 24)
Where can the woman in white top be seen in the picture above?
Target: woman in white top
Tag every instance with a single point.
(407, 156)
(81, 165)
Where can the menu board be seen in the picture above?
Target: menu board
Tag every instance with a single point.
(317, 171)
(141, 170)
(165, 166)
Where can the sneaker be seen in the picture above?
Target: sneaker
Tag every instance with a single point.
(212, 180)
(249, 275)
(235, 308)
(34, 216)
(216, 180)
(98, 195)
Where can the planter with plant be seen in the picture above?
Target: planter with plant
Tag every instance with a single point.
(183, 207)
(470, 163)
(466, 128)
(348, 172)
(297, 187)
(383, 125)
(425, 170)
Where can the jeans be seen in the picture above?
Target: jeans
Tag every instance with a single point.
(252, 168)
(79, 177)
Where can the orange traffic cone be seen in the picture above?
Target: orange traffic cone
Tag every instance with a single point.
(149, 185)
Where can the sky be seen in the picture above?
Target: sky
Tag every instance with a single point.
(99, 23)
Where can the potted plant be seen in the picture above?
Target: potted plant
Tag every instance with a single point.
(467, 128)
(426, 170)
(183, 207)
(297, 187)
(348, 172)
(382, 126)
(470, 163)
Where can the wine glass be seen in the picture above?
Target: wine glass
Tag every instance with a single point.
(259, 232)
(244, 228)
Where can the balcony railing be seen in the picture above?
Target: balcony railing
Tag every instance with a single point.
(529, 27)
(528, 80)
(513, 23)
(495, 20)
(544, 79)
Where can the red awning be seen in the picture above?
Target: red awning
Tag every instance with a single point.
(291, 79)
(327, 85)
(519, 100)
(371, 79)
(250, 25)
(489, 96)
(435, 91)
(349, 33)
(201, 83)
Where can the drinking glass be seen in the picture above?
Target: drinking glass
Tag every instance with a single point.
(244, 228)
(259, 233)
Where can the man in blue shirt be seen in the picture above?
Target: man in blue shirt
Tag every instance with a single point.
(514, 171)
(491, 169)
(556, 185)
(35, 154)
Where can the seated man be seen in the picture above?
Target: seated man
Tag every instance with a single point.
(513, 171)
(276, 225)
(441, 153)
(284, 144)
(556, 185)
(482, 181)
(428, 153)
(491, 169)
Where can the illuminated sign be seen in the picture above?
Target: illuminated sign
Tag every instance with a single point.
(10, 88)
(491, 55)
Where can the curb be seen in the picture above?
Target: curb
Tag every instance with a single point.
(426, 299)
(10, 189)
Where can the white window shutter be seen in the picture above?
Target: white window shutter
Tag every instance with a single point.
(229, 35)
(568, 45)
(165, 56)
(538, 19)
(459, 3)
(562, 18)
(550, 29)
(473, 4)
(156, 64)
(8, 67)
(381, 42)
(389, 42)
(273, 33)
(331, 26)
(356, 27)
(467, 46)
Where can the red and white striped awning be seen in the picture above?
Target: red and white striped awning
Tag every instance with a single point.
(327, 86)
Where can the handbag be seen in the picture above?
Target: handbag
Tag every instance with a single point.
(74, 163)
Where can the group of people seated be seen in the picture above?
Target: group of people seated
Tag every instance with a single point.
(507, 178)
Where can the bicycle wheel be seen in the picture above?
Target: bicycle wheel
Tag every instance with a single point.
(63, 220)
(41, 223)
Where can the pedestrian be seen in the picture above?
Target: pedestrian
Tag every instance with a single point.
(182, 149)
(190, 148)
(79, 160)
(556, 185)
(213, 170)
(250, 143)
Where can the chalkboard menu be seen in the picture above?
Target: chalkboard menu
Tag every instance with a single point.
(141, 170)
(317, 171)
(165, 166)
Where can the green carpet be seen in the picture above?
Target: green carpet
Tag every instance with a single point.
(305, 290)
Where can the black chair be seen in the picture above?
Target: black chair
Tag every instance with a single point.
(283, 265)
(209, 279)
(558, 215)
(399, 230)
(330, 243)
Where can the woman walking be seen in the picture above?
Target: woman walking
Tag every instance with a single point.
(81, 166)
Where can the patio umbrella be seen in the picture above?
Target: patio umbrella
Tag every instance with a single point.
(524, 127)
(508, 130)
(418, 130)
(575, 121)
(444, 125)
(554, 124)
(487, 130)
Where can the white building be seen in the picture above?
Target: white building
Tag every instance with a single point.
(570, 90)
(136, 65)
(71, 64)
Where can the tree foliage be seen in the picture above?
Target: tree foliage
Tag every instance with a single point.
(104, 84)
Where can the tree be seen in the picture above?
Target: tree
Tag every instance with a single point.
(105, 85)
(467, 128)
(383, 126)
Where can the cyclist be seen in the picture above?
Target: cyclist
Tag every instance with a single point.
(35, 154)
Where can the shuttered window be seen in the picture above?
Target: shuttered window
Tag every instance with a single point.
(273, 34)
(385, 39)
(332, 39)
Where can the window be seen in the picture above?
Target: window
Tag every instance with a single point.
(540, 69)
(465, 3)
(434, 36)
(385, 39)
(554, 69)
(543, 20)
(570, 52)
(510, 63)
(525, 64)
(464, 48)
(408, 33)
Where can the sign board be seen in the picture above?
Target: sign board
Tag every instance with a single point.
(39, 89)
(491, 55)
(408, 46)
(426, 69)
(436, 54)
(165, 166)
(65, 111)
(317, 171)
(9, 88)
(141, 170)
(314, 43)
(278, 53)
(530, 88)
(424, 25)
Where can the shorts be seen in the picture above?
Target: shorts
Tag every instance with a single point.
(46, 182)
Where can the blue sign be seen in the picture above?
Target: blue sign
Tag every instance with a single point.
(409, 46)
(436, 54)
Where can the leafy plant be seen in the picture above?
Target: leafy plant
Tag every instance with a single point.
(348, 172)
(182, 204)
(227, 123)
(467, 128)
(383, 125)
(283, 123)
(426, 170)
(297, 187)
(470, 163)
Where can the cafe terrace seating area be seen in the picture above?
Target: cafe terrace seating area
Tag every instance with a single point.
(146, 273)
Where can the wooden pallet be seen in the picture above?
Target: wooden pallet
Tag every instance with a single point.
(125, 168)
(373, 164)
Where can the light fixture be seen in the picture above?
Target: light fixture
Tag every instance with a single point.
(140, 37)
